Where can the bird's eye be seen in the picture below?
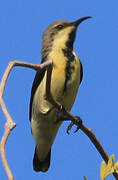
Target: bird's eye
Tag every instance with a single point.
(60, 26)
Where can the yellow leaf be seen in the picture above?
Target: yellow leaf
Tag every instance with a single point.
(102, 171)
(107, 169)
(110, 166)
(111, 161)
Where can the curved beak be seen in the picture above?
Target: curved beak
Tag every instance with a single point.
(76, 23)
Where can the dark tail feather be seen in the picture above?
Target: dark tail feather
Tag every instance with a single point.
(41, 165)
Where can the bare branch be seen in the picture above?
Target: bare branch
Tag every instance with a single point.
(22, 64)
(97, 144)
(9, 122)
(8, 128)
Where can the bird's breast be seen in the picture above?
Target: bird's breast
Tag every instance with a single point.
(65, 76)
(64, 82)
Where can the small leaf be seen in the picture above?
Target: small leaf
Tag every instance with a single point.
(107, 169)
(110, 166)
(111, 161)
(102, 171)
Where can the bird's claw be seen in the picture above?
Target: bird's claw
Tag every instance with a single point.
(69, 127)
(77, 122)
(77, 128)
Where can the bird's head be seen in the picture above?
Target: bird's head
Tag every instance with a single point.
(60, 34)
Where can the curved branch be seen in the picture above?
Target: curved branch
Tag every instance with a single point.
(97, 144)
(8, 128)
(9, 122)
(12, 64)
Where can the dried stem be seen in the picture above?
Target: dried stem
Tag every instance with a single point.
(98, 146)
(8, 128)
(9, 122)
(23, 64)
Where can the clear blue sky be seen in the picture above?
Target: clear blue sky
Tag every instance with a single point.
(21, 26)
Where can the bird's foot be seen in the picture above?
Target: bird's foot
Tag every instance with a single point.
(77, 122)
(61, 113)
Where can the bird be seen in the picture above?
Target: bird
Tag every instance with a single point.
(67, 73)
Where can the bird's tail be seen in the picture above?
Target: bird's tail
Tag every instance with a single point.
(41, 165)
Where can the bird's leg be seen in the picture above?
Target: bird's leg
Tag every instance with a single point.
(75, 121)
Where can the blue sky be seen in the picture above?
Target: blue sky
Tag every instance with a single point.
(22, 23)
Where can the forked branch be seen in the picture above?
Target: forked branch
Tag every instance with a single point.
(9, 125)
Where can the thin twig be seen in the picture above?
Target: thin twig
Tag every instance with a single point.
(97, 144)
(22, 64)
(9, 122)
(8, 128)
